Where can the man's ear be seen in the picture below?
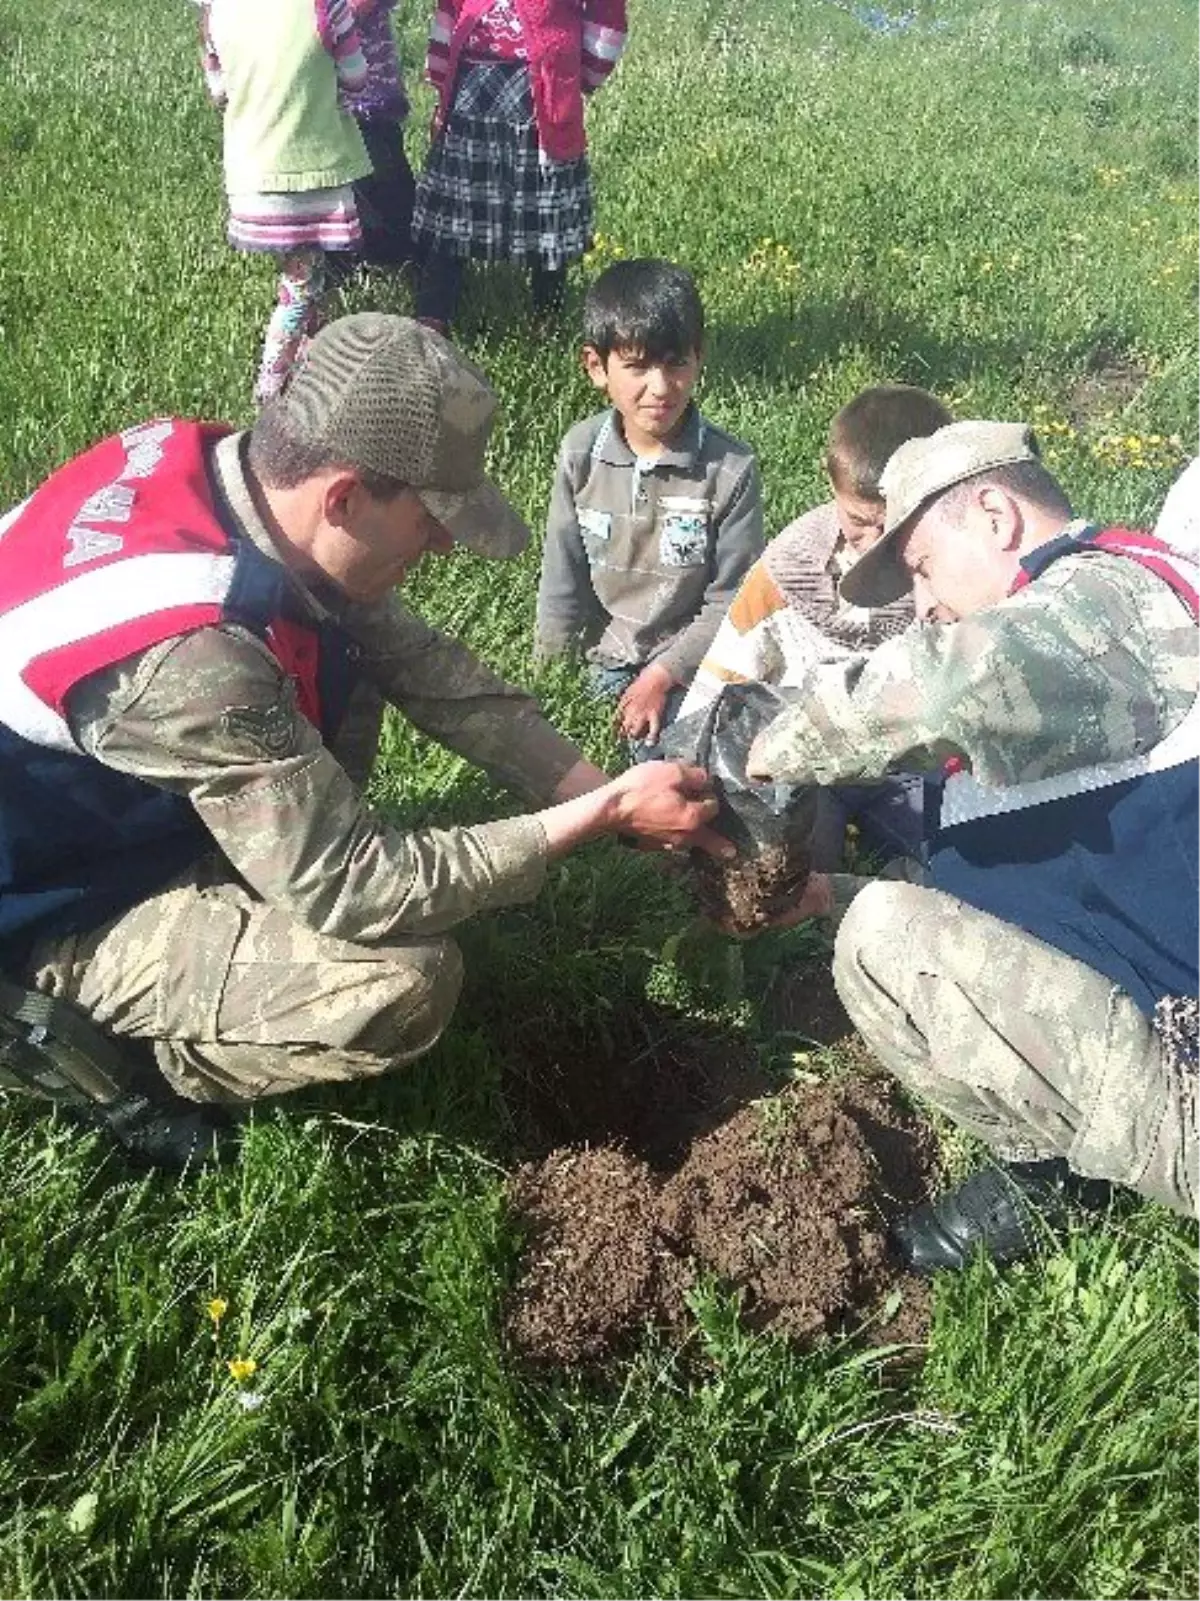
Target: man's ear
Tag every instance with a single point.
(339, 496)
(1004, 515)
(595, 366)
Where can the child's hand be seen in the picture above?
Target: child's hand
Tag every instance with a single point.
(640, 709)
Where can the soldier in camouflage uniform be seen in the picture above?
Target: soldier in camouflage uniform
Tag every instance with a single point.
(204, 631)
(1042, 992)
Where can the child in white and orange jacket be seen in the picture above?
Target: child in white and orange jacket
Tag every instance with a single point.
(507, 174)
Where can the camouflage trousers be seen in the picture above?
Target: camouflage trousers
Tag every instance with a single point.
(1026, 1048)
(239, 1000)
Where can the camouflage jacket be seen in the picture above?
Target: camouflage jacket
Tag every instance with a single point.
(1093, 661)
(286, 811)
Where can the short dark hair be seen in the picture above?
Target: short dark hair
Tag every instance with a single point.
(282, 459)
(870, 427)
(1029, 480)
(646, 305)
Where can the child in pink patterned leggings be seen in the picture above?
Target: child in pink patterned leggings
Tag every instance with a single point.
(292, 150)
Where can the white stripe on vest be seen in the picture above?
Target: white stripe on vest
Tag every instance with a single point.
(86, 606)
(964, 799)
(10, 517)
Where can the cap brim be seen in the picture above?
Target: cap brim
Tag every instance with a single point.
(878, 577)
(481, 519)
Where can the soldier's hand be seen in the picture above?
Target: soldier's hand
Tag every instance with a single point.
(671, 805)
(667, 805)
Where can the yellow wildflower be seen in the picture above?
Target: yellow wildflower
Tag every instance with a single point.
(772, 261)
(242, 1367)
(217, 1308)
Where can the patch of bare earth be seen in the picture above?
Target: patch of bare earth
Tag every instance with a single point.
(684, 1161)
(1113, 377)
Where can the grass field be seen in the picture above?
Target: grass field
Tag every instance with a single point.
(994, 198)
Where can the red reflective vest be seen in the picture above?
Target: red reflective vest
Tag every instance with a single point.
(121, 549)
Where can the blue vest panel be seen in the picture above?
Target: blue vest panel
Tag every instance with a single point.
(1108, 876)
(80, 843)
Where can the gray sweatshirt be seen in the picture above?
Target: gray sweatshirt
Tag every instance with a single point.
(643, 556)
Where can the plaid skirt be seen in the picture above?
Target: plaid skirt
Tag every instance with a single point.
(487, 189)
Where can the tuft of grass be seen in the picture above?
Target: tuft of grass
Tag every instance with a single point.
(997, 200)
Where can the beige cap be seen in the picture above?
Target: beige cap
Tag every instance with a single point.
(916, 471)
(389, 395)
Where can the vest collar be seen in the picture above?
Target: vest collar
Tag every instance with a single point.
(1069, 538)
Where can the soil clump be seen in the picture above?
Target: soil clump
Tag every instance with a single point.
(689, 1160)
(747, 893)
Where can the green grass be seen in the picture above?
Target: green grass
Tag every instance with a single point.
(1000, 203)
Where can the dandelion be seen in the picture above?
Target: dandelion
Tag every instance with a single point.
(605, 250)
(773, 263)
(217, 1309)
(250, 1400)
(242, 1368)
(1138, 451)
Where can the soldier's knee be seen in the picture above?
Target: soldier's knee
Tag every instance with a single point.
(431, 988)
(875, 933)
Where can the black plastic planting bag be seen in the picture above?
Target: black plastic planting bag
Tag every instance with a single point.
(718, 738)
(771, 824)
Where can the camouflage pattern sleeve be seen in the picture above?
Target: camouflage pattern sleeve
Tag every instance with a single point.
(1093, 662)
(211, 716)
(449, 694)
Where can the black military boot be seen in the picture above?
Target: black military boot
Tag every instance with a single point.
(164, 1131)
(1002, 1210)
(53, 1049)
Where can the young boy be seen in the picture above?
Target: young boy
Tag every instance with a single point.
(656, 514)
(787, 615)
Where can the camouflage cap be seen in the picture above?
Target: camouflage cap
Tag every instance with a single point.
(390, 395)
(916, 471)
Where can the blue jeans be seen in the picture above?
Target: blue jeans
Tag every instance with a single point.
(610, 683)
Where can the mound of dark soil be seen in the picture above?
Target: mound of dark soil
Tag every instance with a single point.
(683, 1161)
(750, 891)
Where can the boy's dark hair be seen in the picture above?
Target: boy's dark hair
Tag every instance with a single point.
(644, 305)
(870, 427)
(282, 460)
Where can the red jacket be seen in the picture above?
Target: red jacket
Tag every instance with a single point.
(573, 45)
